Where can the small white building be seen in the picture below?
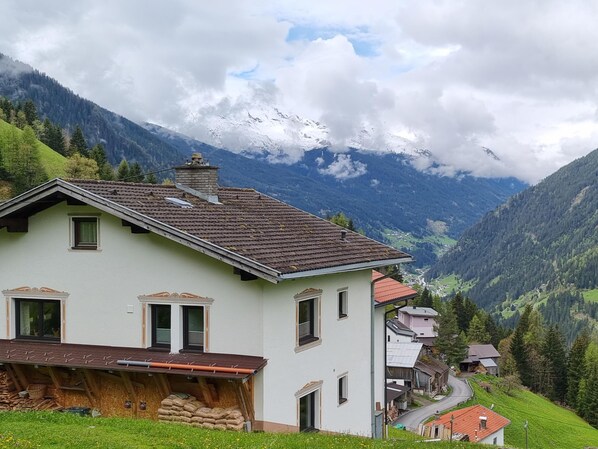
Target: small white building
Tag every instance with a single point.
(142, 290)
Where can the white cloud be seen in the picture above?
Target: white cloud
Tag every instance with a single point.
(518, 77)
(343, 167)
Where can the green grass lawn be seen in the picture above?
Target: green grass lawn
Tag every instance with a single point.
(57, 430)
(52, 161)
(550, 426)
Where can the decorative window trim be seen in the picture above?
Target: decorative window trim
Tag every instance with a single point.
(72, 227)
(26, 292)
(311, 388)
(342, 294)
(306, 295)
(174, 299)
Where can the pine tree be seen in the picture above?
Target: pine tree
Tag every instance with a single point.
(98, 154)
(135, 173)
(459, 310)
(451, 343)
(25, 165)
(122, 173)
(150, 178)
(575, 367)
(77, 143)
(588, 387)
(518, 349)
(554, 355)
(477, 331)
(426, 299)
(30, 112)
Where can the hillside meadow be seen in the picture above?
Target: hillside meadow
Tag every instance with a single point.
(58, 430)
(549, 426)
(52, 162)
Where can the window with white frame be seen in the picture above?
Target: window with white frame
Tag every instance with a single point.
(343, 305)
(343, 389)
(176, 322)
(84, 233)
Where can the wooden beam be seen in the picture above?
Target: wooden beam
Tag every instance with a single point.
(126, 379)
(162, 384)
(117, 378)
(14, 377)
(20, 375)
(248, 400)
(16, 224)
(54, 377)
(90, 385)
(135, 229)
(241, 399)
(206, 393)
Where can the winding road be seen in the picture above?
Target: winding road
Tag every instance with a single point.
(460, 392)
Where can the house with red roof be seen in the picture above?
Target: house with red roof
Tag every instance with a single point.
(476, 424)
(116, 295)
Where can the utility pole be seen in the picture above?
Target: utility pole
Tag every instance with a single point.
(452, 419)
(525, 427)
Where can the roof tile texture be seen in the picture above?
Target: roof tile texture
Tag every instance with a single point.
(250, 224)
(467, 421)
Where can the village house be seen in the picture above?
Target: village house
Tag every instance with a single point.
(481, 359)
(476, 424)
(411, 365)
(117, 295)
(420, 320)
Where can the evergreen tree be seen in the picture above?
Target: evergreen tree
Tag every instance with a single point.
(588, 387)
(30, 112)
(135, 173)
(79, 167)
(98, 154)
(450, 342)
(459, 311)
(554, 355)
(477, 331)
(150, 178)
(506, 362)
(122, 172)
(575, 367)
(107, 172)
(518, 349)
(77, 143)
(493, 331)
(342, 220)
(54, 138)
(426, 299)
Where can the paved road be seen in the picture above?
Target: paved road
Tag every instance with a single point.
(461, 392)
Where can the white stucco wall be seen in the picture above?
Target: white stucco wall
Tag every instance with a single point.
(499, 435)
(344, 348)
(103, 286)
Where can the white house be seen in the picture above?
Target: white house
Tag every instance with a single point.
(118, 294)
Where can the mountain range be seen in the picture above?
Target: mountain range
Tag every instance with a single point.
(539, 247)
(383, 189)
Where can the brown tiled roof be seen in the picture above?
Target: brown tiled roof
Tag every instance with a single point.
(388, 290)
(467, 422)
(247, 225)
(106, 357)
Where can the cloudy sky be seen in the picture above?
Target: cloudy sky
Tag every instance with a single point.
(519, 77)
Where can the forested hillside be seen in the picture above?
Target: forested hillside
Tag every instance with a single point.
(540, 246)
(121, 138)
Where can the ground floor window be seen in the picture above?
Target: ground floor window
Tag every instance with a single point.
(193, 327)
(308, 408)
(38, 319)
(161, 326)
(343, 388)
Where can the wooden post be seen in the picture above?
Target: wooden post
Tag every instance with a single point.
(20, 375)
(162, 384)
(205, 391)
(130, 389)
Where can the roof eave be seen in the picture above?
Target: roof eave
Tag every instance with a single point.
(345, 268)
(143, 221)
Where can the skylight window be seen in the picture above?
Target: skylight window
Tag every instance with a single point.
(181, 203)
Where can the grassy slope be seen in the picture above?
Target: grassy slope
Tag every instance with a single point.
(549, 424)
(56, 430)
(51, 160)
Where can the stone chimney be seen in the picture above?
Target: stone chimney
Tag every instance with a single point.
(198, 178)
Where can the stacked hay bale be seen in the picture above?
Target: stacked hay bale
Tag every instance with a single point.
(188, 410)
